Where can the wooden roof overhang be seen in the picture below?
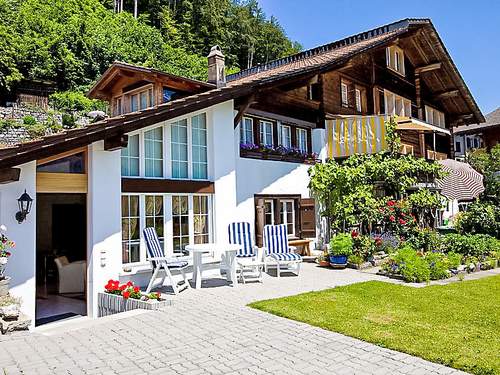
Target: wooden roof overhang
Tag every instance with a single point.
(119, 70)
(435, 67)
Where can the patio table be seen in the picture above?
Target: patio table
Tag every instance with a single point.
(198, 250)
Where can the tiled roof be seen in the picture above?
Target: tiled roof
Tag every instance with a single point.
(492, 120)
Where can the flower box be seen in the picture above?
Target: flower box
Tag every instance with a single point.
(109, 304)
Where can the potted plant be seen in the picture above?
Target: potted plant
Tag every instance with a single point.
(5, 246)
(323, 260)
(340, 248)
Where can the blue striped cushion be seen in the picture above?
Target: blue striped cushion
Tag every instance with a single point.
(179, 264)
(240, 234)
(276, 239)
(156, 251)
(286, 256)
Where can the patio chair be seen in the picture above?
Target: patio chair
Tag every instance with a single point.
(159, 261)
(278, 252)
(249, 257)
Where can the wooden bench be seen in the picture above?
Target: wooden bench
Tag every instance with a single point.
(302, 242)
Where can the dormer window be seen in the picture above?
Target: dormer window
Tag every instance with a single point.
(395, 59)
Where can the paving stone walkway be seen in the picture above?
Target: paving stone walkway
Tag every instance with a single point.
(211, 331)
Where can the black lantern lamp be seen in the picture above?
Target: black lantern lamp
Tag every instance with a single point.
(24, 202)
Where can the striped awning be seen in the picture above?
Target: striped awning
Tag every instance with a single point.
(462, 183)
(356, 135)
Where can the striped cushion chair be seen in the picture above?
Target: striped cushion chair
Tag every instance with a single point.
(249, 257)
(278, 252)
(159, 260)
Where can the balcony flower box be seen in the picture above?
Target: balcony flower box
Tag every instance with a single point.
(109, 304)
(279, 153)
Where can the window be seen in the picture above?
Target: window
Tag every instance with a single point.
(287, 215)
(154, 215)
(476, 142)
(469, 144)
(144, 100)
(130, 157)
(358, 99)
(179, 149)
(180, 219)
(118, 109)
(201, 218)
(246, 130)
(395, 59)
(199, 146)
(344, 94)
(396, 105)
(134, 105)
(169, 94)
(458, 146)
(69, 164)
(407, 149)
(153, 152)
(130, 229)
(302, 139)
(314, 92)
(285, 136)
(268, 212)
(434, 117)
(266, 133)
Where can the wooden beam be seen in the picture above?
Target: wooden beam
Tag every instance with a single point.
(149, 185)
(116, 142)
(249, 100)
(446, 94)
(9, 175)
(427, 68)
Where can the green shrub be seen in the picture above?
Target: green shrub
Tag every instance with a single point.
(68, 121)
(73, 101)
(410, 265)
(438, 265)
(355, 259)
(454, 260)
(29, 120)
(341, 244)
(426, 240)
(483, 218)
(363, 246)
(478, 245)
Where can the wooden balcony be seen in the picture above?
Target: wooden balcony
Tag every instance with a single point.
(436, 155)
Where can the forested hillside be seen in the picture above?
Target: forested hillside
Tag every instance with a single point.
(71, 42)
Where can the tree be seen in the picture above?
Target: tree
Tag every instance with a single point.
(488, 163)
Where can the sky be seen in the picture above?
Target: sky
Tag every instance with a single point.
(470, 30)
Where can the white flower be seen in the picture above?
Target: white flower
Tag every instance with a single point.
(3, 228)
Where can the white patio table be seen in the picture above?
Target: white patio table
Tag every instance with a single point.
(198, 250)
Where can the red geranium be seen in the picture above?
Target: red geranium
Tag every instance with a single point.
(126, 294)
(137, 289)
(402, 222)
(391, 203)
(354, 234)
(392, 218)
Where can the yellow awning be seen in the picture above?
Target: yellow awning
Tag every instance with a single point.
(410, 123)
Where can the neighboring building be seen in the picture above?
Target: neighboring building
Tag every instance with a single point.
(469, 137)
(188, 165)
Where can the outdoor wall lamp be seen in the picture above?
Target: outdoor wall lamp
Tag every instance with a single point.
(24, 202)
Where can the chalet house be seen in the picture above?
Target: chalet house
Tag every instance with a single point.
(180, 154)
(469, 137)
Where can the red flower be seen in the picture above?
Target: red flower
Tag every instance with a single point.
(137, 289)
(392, 218)
(354, 234)
(130, 283)
(390, 203)
(126, 294)
(402, 222)
(158, 295)
(391, 209)
(8, 253)
(378, 241)
(123, 287)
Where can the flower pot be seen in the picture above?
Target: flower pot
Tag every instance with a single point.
(109, 304)
(338, 260)
(4, 286)
(324, 263)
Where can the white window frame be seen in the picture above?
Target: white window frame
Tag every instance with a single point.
(134, 157)
(358, 99)
(281, 135)
(244, 124)
(392, 101)
(141, 226)
(395, 59)
(148, 90)
(263, 124)
(284, 213)
(272, 210)
(434, 117)
(191, 145)
(344, 93)
(162, 153)
(301, 135)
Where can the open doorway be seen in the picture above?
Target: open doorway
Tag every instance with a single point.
(61, 256)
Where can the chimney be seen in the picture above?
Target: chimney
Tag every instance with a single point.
(216, 67)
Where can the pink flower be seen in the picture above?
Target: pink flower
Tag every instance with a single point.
(392, 218)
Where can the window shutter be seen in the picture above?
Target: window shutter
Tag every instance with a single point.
(307, 218)
(259, 221)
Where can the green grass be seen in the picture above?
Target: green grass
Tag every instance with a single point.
(457, 325)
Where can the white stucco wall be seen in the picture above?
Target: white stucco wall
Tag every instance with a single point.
(104, 221)
(21, 266)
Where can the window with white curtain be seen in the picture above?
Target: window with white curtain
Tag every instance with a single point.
(396, 105)
(201, 219)
(130, 229)
(246, 130)
(153, 212)
(395, 59)
(130, 157)
(199, 146)
(287, 213)
(266, 133)
(180, 220)
(153, 152)
(344, 93)
(434, 117)
(302, 139)
(179, 149)
(358, 99)
(285, 136)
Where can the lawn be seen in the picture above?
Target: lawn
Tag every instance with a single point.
(457, 325)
